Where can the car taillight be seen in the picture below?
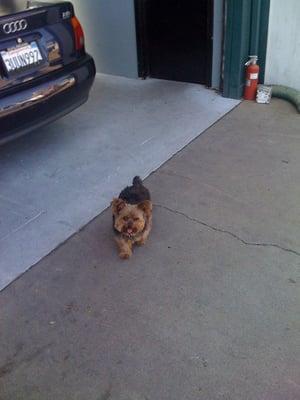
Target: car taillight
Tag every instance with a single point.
(78, 33)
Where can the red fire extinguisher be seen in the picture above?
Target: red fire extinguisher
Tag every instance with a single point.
(252, 72)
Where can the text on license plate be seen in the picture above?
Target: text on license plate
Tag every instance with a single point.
(21, 57)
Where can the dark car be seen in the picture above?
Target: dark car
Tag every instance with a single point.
(44, 70)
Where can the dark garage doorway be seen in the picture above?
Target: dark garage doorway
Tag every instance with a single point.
(174, 39)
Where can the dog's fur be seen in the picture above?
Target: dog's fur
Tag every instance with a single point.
(132, 217)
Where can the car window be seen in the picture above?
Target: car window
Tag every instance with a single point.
(12, 6)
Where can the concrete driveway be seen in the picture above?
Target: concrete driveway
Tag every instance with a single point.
(208, 309)
(56, 179)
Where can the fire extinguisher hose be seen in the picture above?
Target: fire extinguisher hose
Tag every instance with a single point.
(287, 93)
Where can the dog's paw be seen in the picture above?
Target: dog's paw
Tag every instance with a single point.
(140, 242)
(124, 255)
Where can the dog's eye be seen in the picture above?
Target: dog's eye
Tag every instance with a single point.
(136, 219)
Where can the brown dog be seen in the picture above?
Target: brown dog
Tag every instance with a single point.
(132, 217)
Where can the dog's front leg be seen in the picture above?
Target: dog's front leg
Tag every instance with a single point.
(142, 240)
(125, 247)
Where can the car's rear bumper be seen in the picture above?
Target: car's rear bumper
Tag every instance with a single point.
(45, 101)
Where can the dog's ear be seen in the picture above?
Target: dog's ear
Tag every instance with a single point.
(146, 207)
(117, 205)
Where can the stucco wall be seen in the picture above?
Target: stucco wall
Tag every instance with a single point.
(109, 27)
(283, 50)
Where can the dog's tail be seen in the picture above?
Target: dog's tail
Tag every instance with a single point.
(137, 181)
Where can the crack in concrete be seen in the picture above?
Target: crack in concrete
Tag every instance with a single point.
(20, 227)
(12, 363)
(220, 230)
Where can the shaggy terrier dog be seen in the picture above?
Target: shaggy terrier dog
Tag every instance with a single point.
(132, 217)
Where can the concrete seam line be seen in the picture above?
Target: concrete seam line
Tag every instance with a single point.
(220, 230)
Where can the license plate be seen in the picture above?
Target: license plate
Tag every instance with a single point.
(19, 58)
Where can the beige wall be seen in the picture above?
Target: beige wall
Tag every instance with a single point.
(283, 50)
(109, 27)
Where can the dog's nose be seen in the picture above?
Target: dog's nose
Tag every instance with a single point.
(129, 225)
